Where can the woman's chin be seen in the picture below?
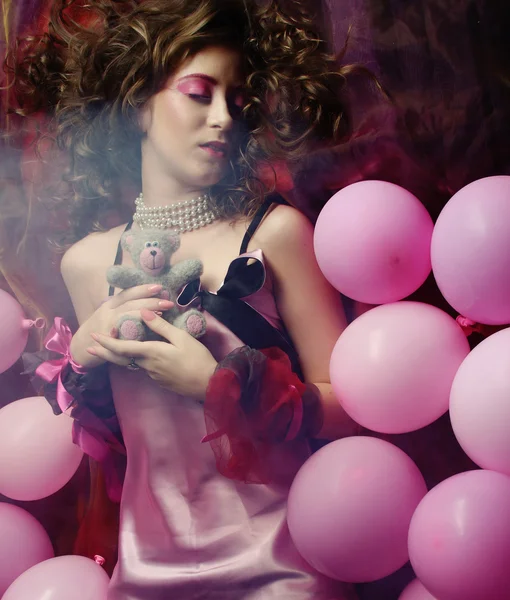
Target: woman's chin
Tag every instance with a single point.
(210, 179)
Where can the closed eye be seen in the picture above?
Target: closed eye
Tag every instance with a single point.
(195, 89)
(199, 97)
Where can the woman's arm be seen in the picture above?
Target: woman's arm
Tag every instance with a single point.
(309, 306)
(82, 269)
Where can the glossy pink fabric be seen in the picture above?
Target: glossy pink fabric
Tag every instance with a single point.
(186, 532)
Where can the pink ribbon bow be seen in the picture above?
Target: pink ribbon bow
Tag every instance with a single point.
(59, 340)
(89, 432)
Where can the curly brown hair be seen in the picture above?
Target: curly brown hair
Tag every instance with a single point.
(101, 60)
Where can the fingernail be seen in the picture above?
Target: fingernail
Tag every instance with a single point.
(158, 312)
(94, 336)
(155, 288)
(91, 351)
(148, 315)
(165, 304)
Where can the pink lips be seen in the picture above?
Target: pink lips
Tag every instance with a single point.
(217, 149)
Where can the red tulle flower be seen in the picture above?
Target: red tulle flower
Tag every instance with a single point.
(254, 400)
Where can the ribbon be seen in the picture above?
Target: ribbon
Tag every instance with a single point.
(228, 306)
(96, 440)
(242, 280)
(58, 340)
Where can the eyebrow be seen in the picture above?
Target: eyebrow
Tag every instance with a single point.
(207, 78)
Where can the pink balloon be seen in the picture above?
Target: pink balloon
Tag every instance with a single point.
(23, 543)
(350, 506)
(393, 367)
(372, 242)
(37, 454)
(459, 538)
(14, 333)
(480, 403)
(416, 591)
(61, 578)
(471, 251)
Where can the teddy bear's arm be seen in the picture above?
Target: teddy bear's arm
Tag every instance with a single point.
(125, 277)
(183, 272)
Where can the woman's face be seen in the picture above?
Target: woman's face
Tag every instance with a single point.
(192, 126)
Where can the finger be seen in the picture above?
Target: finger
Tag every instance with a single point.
(127, 348)
(148, 303)
(113, 357)
(135, 293)
(114, 331)
(165, 329)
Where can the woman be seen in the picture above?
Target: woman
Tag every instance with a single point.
(187, 97)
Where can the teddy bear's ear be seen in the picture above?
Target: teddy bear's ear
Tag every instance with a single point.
(127, 240)
(173, 239)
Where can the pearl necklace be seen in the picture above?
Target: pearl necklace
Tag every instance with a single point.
(184, 216)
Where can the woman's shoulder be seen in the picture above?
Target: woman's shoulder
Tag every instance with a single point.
(91, 252)
(283, 230)
(84, 267)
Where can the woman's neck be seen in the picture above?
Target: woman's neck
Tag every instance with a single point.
(162, 189)
(165, 195)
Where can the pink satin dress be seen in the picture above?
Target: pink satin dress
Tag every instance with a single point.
(186, 532)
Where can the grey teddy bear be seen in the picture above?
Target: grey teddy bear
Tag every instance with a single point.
(151, 251)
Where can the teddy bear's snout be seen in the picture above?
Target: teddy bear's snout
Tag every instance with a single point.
(152, 260)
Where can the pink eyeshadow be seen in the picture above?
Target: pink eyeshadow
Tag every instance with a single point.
(193, 87)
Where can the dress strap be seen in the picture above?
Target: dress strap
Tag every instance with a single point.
(259, 215)
(118, 256)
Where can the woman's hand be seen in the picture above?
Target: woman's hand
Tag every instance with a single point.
(105, 318)
(184, 365)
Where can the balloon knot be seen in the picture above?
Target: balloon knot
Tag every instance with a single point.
(467, 325)
(99, 560)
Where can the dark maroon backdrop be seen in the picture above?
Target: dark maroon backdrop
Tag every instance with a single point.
(446, 64)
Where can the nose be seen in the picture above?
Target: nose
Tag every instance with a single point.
(219, 113)
(153, 252)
